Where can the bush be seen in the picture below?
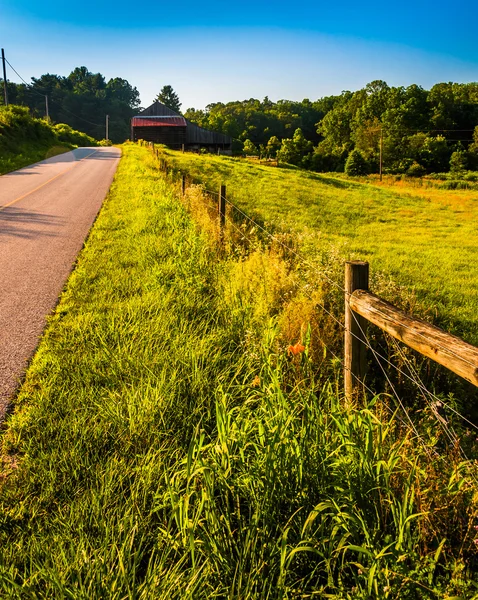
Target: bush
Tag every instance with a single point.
(25, 140)
(458, 161)
(457, 185)
(71, 136)
(356, 164)
(416, 170)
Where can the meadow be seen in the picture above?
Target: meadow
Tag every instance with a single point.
(420, 236)
(181, 433)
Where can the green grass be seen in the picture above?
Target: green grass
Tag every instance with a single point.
(164, 445)
(25, 140)
(423, 238)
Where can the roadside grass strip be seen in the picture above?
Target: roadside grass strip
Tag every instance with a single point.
(166, 445)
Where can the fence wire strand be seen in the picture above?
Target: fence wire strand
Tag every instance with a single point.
(430, 398)
(322, 274)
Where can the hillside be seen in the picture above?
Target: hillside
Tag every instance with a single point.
(413, 232)
(25, 140)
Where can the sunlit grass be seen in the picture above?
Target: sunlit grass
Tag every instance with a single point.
(165, 445)
(423, 238)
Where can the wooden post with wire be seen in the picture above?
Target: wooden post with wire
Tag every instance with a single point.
(355, 360)
(5, 87)
(221, 207)
(444, 348)
(183, 184)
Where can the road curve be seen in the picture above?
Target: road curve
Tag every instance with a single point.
(46, 212)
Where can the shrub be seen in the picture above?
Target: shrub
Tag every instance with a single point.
(356, 164)
(416, 170)
(71, 136)
(458, 161)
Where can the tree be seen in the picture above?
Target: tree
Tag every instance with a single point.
(273, 146)
(458, 162)
(122, 90)
(288, 152)
(250, 149)
(169, 98)
(356, 164)
(302, 145)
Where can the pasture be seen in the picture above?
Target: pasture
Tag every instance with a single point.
(422, 238)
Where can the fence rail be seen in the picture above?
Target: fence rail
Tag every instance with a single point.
(444, 348)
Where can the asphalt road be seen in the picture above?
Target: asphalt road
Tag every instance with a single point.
(46, 212)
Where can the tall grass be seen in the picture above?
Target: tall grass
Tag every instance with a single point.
(166, 445)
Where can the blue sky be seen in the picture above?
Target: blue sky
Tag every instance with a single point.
(220, 51)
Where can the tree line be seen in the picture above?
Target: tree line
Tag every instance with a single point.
(81, 100)
(419, 131)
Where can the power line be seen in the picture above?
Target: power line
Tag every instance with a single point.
(32, 90)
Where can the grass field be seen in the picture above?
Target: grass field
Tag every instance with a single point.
(165, 444)
(423, 238)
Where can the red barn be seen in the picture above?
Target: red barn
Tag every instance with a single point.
(161, 125)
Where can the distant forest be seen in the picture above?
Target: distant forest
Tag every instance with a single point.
(420, 131)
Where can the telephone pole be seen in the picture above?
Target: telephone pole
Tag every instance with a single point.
(46, 107)
(381, 152)
(5, 91)
(107, 123)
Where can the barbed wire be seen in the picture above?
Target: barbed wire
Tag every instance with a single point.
(342, 289)
(410, 425)
(331, 281)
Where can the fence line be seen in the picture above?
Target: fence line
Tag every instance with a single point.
(362, 306)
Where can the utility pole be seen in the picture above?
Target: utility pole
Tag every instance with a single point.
(381, 152)
(107, 123)
(5, 91)
(46, 107)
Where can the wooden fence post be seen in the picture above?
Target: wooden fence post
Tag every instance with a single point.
(183, 184)
(355, 359)
(221, 207)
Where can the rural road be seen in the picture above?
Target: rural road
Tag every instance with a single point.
(46, 212)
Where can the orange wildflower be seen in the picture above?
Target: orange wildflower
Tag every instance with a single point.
(256, 382)
(296, 349)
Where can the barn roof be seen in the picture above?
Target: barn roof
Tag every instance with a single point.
(158, 110)
(164, 121)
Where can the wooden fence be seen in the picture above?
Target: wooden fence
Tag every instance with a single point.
(362, 307)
